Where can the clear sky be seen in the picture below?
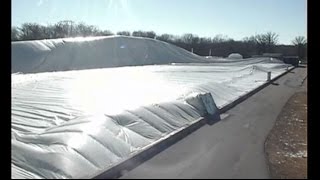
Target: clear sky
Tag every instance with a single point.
(233, 18)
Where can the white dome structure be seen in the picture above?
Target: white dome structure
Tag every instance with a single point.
(235, 56)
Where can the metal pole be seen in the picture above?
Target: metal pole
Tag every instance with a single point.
(269, 76)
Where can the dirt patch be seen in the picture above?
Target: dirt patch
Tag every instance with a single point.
(286, 145)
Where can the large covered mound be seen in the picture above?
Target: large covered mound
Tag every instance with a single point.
(78, 124)
(95, 52)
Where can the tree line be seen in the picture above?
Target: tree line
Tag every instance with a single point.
(219, 45)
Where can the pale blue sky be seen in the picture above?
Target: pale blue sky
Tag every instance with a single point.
(233, 18)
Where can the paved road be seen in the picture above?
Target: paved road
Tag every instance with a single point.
(232, 147)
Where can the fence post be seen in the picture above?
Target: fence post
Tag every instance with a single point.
(269, 76)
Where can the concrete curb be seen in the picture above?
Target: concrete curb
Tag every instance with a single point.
(136, 159)
(245, 96)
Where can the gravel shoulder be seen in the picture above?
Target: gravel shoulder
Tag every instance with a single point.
(286, 144)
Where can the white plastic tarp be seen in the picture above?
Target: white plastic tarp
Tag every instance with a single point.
(77, 124)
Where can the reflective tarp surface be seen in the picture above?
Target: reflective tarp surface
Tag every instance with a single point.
(74, 124)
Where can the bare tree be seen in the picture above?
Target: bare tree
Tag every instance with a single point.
(15, 34)
(261, 43)
(300, 43)
(124, 33)
(187, 38)
(220, 38)
(205, 40)
(107, 33)
(266, 42)
(166, 37)
(84, 30)
(69, 27)
(272, 40)
(148, 34)
(137, 33)
(32, 31)
(61, 29)
(250, 39)
(250, 46)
